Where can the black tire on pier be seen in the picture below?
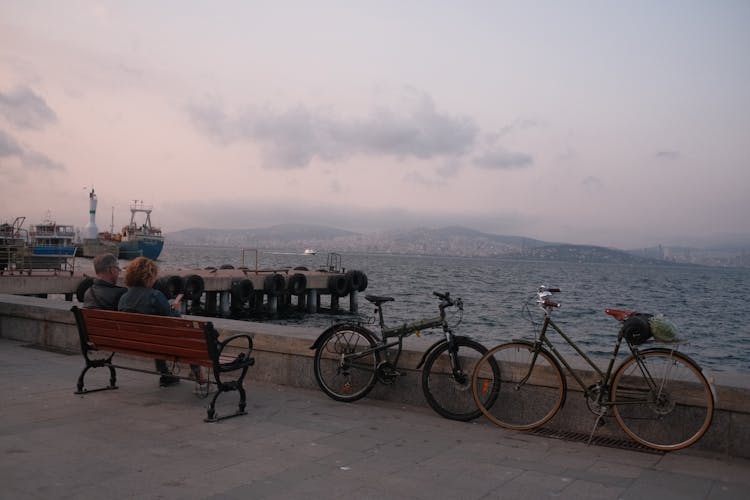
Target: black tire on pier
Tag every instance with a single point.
(338, 285)
(297, 284)
(274, 284)
(194, 287)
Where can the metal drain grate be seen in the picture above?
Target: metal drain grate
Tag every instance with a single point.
(609, 442)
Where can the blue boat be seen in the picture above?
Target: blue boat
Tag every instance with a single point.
(50, 246)
(140, 239)
(50, 239)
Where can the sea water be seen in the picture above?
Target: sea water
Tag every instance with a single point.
(707, 304)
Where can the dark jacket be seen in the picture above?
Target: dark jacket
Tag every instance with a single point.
(145, 301)
(102, 295)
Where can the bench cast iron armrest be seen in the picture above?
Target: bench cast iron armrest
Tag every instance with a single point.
(240, 360)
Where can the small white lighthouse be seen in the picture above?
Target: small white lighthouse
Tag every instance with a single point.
(91, 232)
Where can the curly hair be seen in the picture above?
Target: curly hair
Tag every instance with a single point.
(141, 272)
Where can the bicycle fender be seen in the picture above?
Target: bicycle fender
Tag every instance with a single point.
(340, 326)
(428, 351)
(435, 346)
(665, 350)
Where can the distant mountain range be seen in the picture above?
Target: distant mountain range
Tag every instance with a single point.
(447, 241)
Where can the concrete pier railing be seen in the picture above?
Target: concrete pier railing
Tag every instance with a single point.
(283, 356)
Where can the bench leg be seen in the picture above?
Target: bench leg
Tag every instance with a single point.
(226, 387)
(97, 364)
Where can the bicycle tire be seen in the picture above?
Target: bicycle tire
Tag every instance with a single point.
(448, 395)
(675, 413)
(345, 379)
(521, 404)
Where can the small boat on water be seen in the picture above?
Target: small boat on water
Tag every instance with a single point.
(49, 238)
(140, 238)
(310, 251)
(45, 246)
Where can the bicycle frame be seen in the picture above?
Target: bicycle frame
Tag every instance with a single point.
(407, 329)
(543, 340)
(604, 377)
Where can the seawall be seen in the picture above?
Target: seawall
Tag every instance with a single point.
(283, 357)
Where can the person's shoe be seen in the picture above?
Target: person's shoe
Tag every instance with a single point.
(202, 389)
(168, 380)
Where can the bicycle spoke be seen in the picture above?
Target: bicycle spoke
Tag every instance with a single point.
(662, 400)
(530, 394)
(345, 364)
(446, 379)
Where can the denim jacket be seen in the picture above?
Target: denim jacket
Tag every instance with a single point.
(143, 300)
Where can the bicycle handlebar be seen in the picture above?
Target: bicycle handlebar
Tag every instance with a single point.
(447, 301)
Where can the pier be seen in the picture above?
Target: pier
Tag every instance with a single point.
(226, 292)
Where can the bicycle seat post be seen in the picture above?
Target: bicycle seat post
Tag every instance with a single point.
(379, 310)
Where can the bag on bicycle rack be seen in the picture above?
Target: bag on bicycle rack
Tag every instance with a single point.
(636, 329)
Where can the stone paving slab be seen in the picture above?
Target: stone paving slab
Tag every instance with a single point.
(142, 441)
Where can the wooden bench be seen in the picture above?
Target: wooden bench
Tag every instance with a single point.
(175, 340)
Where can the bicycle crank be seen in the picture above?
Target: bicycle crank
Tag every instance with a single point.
(386, 373)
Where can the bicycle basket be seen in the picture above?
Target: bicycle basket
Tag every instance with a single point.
(637, 329)
(662, 330)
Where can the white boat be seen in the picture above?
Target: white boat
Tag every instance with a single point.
(310, 251)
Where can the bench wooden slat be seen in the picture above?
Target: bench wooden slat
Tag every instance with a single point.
(165, 351)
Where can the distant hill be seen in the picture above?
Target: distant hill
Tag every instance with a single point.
(447, 241)
(279, 236)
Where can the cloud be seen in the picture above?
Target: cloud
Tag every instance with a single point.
(10, 148)
(499, 158)
(23, 108)
(293, 138)
(668, 155)
(592, 183)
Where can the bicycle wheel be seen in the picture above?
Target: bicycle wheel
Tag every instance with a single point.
(531, 386)
(662, 400)
(449, 392)
(345, 363)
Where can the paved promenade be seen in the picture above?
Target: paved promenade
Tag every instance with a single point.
(142, 441)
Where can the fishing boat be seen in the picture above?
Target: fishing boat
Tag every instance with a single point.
(49, 246)
(310, 251)
(140, 238)
(49, 238)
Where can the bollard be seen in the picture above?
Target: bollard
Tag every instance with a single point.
(353, 303)
(334, 303)
(312, 301)
(273, 304)
(211, 303)
(225, 299)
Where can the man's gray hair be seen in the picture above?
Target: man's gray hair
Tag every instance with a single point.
(104, 261)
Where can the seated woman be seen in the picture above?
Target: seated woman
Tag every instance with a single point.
(140, 277)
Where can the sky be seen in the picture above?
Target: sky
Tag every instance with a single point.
(622, 124)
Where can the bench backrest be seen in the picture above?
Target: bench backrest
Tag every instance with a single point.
(162, 337)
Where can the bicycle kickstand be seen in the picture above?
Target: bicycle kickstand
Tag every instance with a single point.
(598, 423)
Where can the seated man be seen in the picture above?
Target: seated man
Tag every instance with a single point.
(104, 293)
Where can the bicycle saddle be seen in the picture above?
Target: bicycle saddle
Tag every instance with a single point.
(377, 300)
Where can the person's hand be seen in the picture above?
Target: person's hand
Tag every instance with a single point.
(177, 302)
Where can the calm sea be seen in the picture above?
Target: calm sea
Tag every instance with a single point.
(706, 304)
